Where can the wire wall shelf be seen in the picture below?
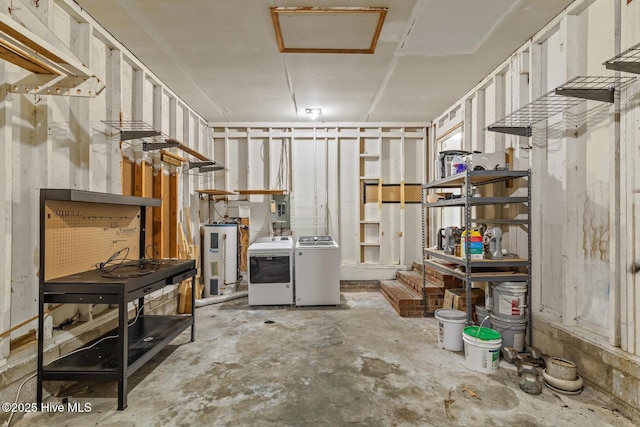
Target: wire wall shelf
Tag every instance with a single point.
(627, 61)
(153, 139)
(561, 99)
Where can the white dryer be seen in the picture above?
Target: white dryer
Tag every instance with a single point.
(317, 271)
(271, 271)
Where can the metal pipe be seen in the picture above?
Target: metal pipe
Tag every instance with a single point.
(220, 298)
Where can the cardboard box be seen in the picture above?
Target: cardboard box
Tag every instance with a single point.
(456, 298)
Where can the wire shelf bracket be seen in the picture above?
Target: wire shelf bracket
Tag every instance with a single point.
(197, 164)
(212, 168)
(627, 61)
(561, 99)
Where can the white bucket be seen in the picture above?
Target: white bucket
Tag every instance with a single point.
(512, 330)
(481, 349)
(509, 300)
(450, 325)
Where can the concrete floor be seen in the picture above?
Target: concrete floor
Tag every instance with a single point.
(359, 364)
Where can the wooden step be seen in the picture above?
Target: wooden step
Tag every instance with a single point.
(407, 301)
(413, 279)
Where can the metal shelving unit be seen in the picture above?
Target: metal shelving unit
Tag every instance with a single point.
(484, 270)
(562, 98)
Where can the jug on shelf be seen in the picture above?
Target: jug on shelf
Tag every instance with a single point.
(475, 244)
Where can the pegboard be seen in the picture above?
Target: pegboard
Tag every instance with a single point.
(79, 235)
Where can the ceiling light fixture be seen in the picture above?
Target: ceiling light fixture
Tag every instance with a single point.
(313, 113)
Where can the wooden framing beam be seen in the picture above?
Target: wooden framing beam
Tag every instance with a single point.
(143, 187)
(277, 11)
(254, 192)
(128, 172)
(173, 215)
(161, 216)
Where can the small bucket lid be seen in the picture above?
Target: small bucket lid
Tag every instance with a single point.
(485, 334)
(450, 314)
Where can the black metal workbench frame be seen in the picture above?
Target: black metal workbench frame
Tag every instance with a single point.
(135, 342)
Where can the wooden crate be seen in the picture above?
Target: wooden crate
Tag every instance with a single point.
(456, 298)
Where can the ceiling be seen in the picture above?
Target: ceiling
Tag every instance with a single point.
(222, 57)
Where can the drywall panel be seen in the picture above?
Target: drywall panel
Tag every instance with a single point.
(349, 201)
(490, 116)
(592, 132)
(237, 157)
(391, 158)
(552, 178)
(103, 149)
(6, 222)
(333, 188)
(309, 201)
(414, 160)
(258, 166)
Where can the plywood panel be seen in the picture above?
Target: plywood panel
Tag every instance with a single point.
(173, 215)
(127, 177)
(244, 242)
(143, 187)
(391, 193)
(161, 217)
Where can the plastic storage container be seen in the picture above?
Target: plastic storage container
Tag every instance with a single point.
(481, 349)
(509, 300)
(512, 331)
(450, 326)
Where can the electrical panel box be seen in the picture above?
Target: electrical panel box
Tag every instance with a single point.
(279, 211)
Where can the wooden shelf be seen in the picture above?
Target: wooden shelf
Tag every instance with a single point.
(505, 262)
(485, 276)
(254, 192)
(217, 192)
(476, 178)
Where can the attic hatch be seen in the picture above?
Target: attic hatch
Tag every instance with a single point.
(328, 29)
(25, 41)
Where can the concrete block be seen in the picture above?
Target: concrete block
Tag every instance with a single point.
(622, 364)
(625, 387)
(544, 327)
(579, 344)
(548, 343)
(591, 368)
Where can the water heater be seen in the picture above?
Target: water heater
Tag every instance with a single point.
(220, 258)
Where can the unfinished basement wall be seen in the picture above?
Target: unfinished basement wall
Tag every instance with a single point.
(324, 166)
(584, 189)
(60, 141)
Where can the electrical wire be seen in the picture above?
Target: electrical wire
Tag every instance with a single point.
(138, 310)
(15, 402)
(115, 262)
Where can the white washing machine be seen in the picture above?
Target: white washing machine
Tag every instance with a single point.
(317, 271)
(271, 271)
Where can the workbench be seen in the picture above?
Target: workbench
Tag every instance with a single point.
(71, 215)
